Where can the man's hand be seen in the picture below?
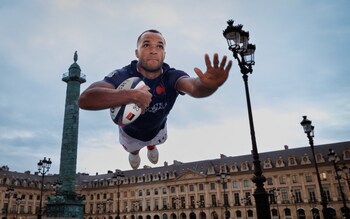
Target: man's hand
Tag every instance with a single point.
(144, 97)
(216, 74)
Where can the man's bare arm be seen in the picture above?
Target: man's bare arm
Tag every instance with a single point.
(206, 83)
(102, 95)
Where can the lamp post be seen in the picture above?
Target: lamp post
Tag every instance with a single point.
(43, 167)
(295, 201)
(332, 157)
(9, 193)
(345, 170)
(273, 195)
(309, 130)
(243, 52)
(135, 207)
(247, 202)
(224, 177)
(18, 203)
(177, 204)
(56, 187)
(99, 208)
(119, 177)
(201, 204)
(109, 203)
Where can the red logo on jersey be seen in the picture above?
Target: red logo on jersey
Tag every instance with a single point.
(130, 116)
(160, 89)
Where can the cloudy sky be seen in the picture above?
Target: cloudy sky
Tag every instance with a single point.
(301, 69)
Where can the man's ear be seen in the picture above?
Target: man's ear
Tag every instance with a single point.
(136, 53)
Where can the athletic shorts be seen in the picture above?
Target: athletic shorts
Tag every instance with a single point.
(131, 144)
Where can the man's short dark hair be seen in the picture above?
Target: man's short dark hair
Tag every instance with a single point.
(148, 31)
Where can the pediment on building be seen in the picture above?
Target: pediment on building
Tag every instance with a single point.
(190, 174)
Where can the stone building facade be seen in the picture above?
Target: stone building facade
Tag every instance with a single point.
(195, 189)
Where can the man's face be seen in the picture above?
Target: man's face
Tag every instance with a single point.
(151, 51)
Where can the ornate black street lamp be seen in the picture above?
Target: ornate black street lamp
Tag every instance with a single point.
(109, 203)
(273, 199)
(56, 186)
(9, 193)
(119, 177)
(136, 207)
(246, 201)
(309, 130)
(224, 177)
(99, 208)
(43, 168)
(332, 157)
(345, 170)
(243, 52)
(294, 199)
(176, 202)
(18, 205)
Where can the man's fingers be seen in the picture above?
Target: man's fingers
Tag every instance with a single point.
(198, 72)
(228, 67)
(223, 62)
(207, 61)
(216, 60)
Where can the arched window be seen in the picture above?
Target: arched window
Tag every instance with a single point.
(346, 155)
(274, 213)
(250, 213)
(214, 215)
(315, 213)
(238, 214)
(332, 212)
(192, 215)
(287, 213)
(301, 214)
(202, 215)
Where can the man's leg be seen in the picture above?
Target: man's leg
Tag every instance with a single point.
(152, 154)
(134, 159)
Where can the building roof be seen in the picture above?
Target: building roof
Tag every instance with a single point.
(201, 167)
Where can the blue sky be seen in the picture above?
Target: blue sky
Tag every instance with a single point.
(301, 69)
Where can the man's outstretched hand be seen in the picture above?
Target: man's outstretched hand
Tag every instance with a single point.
(216, 74)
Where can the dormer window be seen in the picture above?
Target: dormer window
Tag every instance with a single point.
(305, 159)
(245, 166)
(346, 154)
(292, 161)
(211, 170)
(223, 169)
(279, 162)
(267, 163)
(234, 167)
(319, 158)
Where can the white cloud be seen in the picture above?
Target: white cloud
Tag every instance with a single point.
(13, 134)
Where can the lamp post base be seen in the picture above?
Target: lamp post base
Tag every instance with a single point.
(65, 207)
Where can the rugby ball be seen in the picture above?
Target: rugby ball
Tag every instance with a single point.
(126, 114)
